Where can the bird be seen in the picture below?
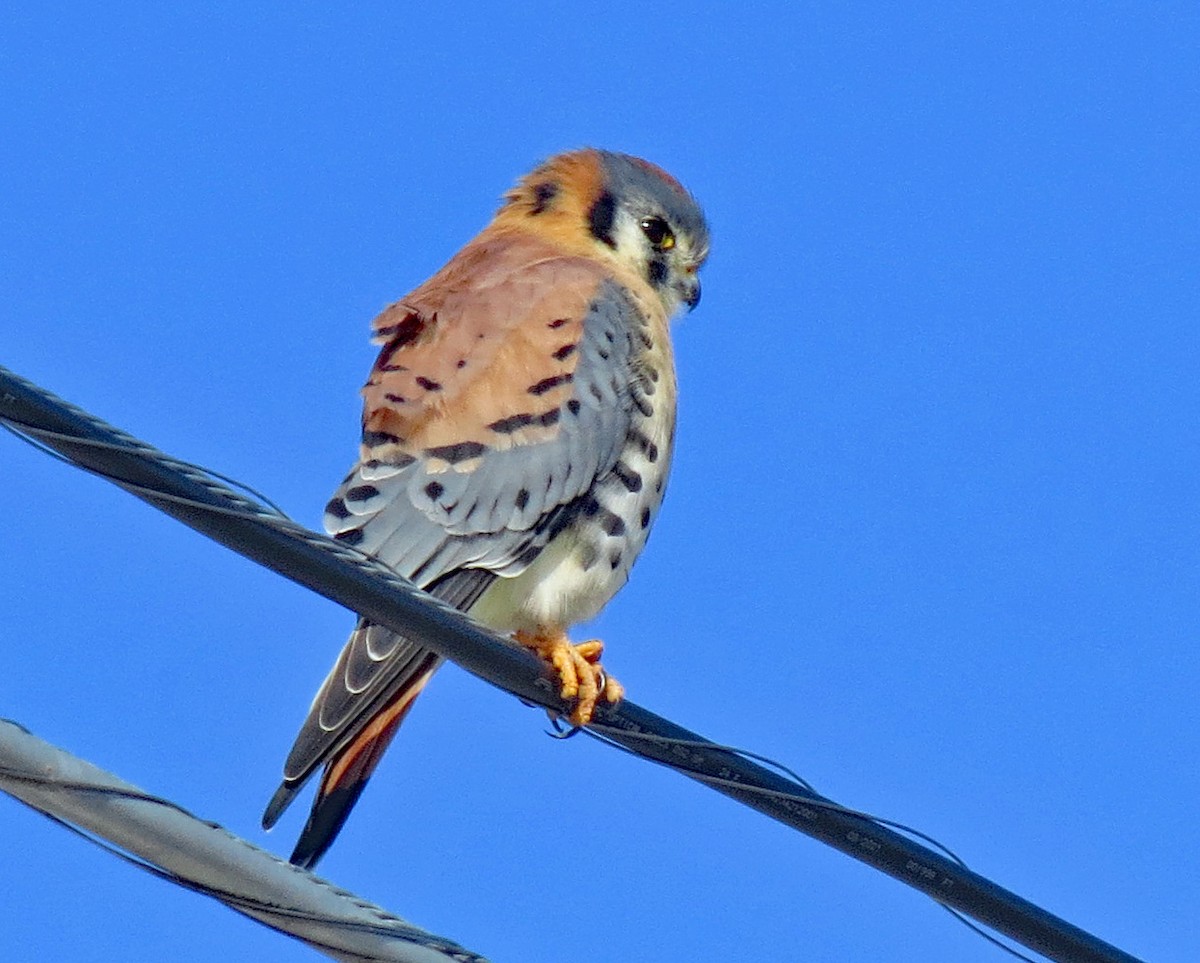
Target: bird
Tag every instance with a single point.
(517, 431)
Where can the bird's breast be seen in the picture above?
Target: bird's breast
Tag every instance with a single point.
(581, 569)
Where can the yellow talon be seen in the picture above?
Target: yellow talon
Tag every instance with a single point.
(581, 677)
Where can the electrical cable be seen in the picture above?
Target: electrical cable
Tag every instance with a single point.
(337, 571)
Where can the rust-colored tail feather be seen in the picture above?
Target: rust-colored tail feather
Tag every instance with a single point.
(346, 774)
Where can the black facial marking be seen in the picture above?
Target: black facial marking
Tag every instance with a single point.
(461, 451)
(601, 217)
(656, 270)
(360, 493)
(543, 196)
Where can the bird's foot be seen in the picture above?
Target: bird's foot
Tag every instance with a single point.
(582, 679)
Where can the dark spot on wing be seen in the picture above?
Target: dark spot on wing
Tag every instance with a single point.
(564, 352)
(552, 382)
(461, 451)
(522, 498)
(400, 334)
(506, 426)
(428, 384)
(360, 493)
(434, 490)
(529, 554)
(373, 438)
(398, 460)
(350, 537)
(337, 508)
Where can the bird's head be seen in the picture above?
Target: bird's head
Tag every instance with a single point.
(623, 209)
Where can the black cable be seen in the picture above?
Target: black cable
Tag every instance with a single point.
(373, 591)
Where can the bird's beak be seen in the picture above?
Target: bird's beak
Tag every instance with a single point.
(689, 291)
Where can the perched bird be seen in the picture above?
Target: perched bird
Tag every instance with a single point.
(517, 430)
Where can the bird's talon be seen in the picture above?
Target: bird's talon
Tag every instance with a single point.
(581, 677)
(614, 692)
(590, 651)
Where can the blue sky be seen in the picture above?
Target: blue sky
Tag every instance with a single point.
(931, 536)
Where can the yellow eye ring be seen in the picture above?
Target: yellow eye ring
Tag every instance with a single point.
(658, 233)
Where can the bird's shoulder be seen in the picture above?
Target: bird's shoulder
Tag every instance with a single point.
(493, 334)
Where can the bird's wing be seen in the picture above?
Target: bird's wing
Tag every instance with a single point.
(502, 393)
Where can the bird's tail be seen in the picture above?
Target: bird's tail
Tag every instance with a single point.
(347, 772)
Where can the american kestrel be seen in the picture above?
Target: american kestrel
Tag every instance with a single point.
(517, 430)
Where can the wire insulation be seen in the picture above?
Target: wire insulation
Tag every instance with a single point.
(198, 499)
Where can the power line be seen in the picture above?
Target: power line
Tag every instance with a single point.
(361, 584)
(161, 837)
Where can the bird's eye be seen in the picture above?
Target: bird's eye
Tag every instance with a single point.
(658, 233)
